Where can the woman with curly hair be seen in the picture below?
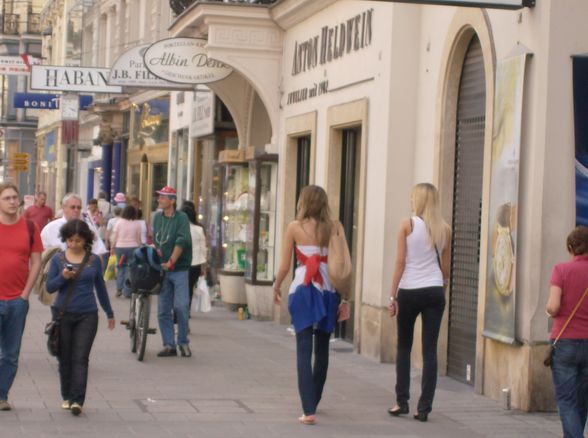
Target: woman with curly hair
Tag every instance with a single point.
(77, 272)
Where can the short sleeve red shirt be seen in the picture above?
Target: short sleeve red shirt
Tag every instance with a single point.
(39, 215)
(572, 278)
(15, 251)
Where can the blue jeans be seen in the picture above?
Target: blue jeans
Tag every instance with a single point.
(570, 376)
(78, 331)
(311, 380)
(174, 296)
(429, 302)
(13, 315)
(123, 269)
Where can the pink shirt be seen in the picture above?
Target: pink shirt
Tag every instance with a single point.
(572, 278)
(127, 234)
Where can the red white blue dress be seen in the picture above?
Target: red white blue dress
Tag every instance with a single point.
(312, 300)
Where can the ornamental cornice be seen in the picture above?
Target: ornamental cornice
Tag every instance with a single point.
(245, 37)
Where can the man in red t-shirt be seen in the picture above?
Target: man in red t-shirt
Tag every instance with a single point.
(39, 213)
(17, 249)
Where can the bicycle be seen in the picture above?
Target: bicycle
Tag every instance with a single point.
(145, 279)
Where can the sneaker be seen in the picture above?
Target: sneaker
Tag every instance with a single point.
(167, 352)
(185, 351)
(118, 292)
(76, 409)
(5, 406)
(66, 404)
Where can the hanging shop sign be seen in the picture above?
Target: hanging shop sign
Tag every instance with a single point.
(184, 61)
(202, 122)
(45, 101)
(490, 4)
(17, 65)
(71, 79)
(129, 71)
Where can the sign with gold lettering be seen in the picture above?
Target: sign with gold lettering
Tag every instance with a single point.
(184, 61)
(497, 4)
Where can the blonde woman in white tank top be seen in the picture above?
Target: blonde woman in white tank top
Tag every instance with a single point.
(420, 273)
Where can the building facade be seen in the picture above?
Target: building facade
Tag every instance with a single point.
(368, 98)
(20, 34)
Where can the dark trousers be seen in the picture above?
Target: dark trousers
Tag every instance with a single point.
(78, 331)
(311, 379)
(193, 275)
(429, 303)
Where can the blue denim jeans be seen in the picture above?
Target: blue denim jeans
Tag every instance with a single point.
(78, 331)
(569, 368)
(174, 296)
(311, 379)
(13, 315)
(123, 269)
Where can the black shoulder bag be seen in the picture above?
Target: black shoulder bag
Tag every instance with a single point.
(53, 328)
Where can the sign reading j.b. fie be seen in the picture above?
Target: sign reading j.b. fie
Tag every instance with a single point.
(333, 42)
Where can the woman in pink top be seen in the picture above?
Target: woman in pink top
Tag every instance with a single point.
(569, 365)
(127, 238)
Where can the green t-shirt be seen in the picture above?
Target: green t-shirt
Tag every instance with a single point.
(169, 232)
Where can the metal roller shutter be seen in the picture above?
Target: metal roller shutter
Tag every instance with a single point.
(467, 206)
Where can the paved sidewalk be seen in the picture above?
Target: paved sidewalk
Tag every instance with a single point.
(241, 382)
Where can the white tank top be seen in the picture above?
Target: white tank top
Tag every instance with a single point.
(422, 267)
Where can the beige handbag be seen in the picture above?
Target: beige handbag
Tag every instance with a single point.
(339, 261)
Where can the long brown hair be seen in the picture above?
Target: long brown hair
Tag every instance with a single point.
(313, 203)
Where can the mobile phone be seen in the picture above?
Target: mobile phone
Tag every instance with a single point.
(69, 266)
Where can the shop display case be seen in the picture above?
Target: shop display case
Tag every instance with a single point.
(263, 175)
(235, 218)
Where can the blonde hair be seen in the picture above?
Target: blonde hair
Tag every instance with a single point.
(425, 201)
(314, 204)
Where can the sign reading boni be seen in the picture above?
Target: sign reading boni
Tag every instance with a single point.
(184, 60)
(60, 78)
(129, 71)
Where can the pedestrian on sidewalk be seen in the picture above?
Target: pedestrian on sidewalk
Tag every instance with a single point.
(21, 246)
(198, 248)
(79, 319)
(312, 301)
(127, 238)
(39, 212)
(569, 364)
(72, 209)
(420, 274)
(171, 236)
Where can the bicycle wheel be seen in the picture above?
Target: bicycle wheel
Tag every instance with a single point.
(144, 304)
(133, 322)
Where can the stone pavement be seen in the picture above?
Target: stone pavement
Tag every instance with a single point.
(240, 382)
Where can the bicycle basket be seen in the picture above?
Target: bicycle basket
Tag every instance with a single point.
(145, 273)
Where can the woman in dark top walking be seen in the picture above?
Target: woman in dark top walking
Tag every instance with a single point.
(79, 322)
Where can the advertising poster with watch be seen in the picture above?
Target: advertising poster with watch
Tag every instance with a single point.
(499, 317)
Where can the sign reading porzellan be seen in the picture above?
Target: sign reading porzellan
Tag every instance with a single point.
(83, 79)
(184, 60)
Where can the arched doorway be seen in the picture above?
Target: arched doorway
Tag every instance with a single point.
(466, 215)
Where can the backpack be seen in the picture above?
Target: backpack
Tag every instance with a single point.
(40, 289)
(144, 270)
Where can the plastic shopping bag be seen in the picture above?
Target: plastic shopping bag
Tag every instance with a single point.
(110, 273)
(202, 296)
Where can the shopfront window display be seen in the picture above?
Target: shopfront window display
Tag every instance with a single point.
(235, 217)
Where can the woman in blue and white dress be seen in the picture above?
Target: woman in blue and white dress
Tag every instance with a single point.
(312, 301)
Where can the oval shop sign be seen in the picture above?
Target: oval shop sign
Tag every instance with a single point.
(184, 61)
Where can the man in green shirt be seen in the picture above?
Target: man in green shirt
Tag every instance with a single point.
(171, 236)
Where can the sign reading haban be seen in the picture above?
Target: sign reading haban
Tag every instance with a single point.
(71, 79)
(333, 42)
(184, 60)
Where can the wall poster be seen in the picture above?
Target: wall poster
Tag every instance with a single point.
(580, 72)
(499, 317)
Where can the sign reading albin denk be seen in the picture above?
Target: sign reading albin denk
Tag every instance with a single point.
(184, 60)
